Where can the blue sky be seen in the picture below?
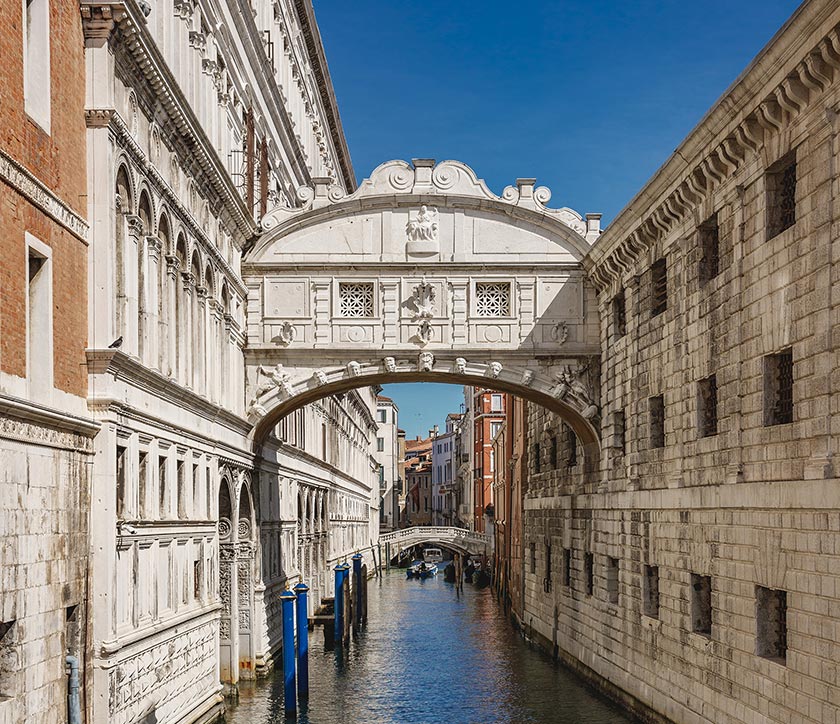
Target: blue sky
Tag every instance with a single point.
(588, 96)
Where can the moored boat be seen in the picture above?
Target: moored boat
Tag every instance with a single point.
(421, 569)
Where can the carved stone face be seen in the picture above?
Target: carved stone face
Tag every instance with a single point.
(354, 368)
(320, 377)
(461, 365)
(427, 361)
(527, 377)
(390, 364)
(495, 369)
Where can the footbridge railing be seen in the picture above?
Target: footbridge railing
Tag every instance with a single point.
(458, 538)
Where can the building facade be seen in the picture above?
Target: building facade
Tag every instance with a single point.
(387, 456)
(488, 410)
(46, 433)
(443, 473)
(693, 573)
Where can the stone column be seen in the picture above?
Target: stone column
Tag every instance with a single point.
(171, 343)
(200, 358)
(217, 352)
(131, 279)
(152, 276)
(227, 344)
(185, 331)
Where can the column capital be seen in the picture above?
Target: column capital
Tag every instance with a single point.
(153, 244)
(173, 264)
(188, 279)
(201, 293)
(135, 225)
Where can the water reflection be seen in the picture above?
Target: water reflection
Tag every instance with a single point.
(431, 655)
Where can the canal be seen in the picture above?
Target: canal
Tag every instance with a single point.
(429, 655)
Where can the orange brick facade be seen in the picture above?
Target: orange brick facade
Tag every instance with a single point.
(57, 160)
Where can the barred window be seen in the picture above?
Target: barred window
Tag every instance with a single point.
(571, 446)
(620, 431)
(658, 287)
(771, 623)
(778, 388)
(657, 421)
(355, 299)
(709, 238)
(589, 572)
(701, 604)
(781, 195)
(612, 580)
(707, 418)
(492, 299)
(650, 591)
(619, 314)
(567, 567)
(552, 450)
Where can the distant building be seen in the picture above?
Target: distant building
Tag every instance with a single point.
(387, 455)
(444, 467)
(488, 415)
(418, 475)
(401, 483)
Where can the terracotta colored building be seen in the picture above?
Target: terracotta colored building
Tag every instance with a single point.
(488, 415)
(45, 434)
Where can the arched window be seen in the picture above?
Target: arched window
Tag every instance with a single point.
(180, 316)
(144, 211)
(165, 236)
(123, 206)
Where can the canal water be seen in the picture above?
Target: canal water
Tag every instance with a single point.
(431, 655)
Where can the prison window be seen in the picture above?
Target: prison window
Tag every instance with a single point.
(657, 421)
(619, 314)
(650, 591)
(778, 388)
(709, 241)
(571, 446)
(547, 580)
(781, 195)
(658, 287)
(771, 623)
(612, 580)
(589, 572)
(552, 449)
(536, 457)
(533, 550)
(707, 406)
(620, 431)
(701, 604)
(567, 567)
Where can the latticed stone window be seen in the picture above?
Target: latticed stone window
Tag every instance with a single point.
(650, 591)
(701, 604)
(707, 417)
(355, 299)
(657, 421)
(658, 287)
(709, 238)
(778, 388)
(589, 572)
(619, 314)
(781, 195)
(492, 299)
(612, 580)
(771, 623)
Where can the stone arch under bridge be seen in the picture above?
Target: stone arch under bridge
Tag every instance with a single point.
(460, 540)
(422, 275)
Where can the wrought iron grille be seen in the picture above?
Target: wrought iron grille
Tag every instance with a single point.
(710, 250)
(778, 381)
(657, 421)
(708, 406)
(355, 299)
(619, 313)
(658, 287)
(492, 299)
(781, 197)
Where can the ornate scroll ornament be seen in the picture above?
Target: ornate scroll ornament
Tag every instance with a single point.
(570, 385)
(320, 377)
(426, 361)
(224, 528)
(461, 365)
(495, 369)
(528, 378)
(423, 300)
(390, 364)
(560, 332)
(354, 369)
(286, 335)
(244, 529)
(425, 226)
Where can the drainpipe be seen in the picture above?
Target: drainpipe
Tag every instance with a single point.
(74, 711)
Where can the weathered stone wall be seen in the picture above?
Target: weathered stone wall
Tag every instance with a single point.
(751, 507)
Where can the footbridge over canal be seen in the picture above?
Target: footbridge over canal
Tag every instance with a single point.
(460, 540)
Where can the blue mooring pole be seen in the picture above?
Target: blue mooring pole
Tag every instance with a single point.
(302, 642)
(339, 605)
(289, 693)
(357, 589)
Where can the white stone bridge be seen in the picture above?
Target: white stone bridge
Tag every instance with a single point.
(457, 539)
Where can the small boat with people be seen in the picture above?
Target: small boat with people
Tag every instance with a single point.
(421, 569)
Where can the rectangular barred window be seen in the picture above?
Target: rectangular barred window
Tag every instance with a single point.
(658, 287)
(707, 418)
(547, 579)
(536, 457)
(589, 572)
(533, 557)
(701, 604)
(709, 238)
(552, 449)
(355, 299)
(619, 314)
(778, 388)
(771, 624)
(571, 446)
(656, 407)
(567, 567)
(650, 591)
(620, 431)
(612, 580)
(781, 195)
(492, 299)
